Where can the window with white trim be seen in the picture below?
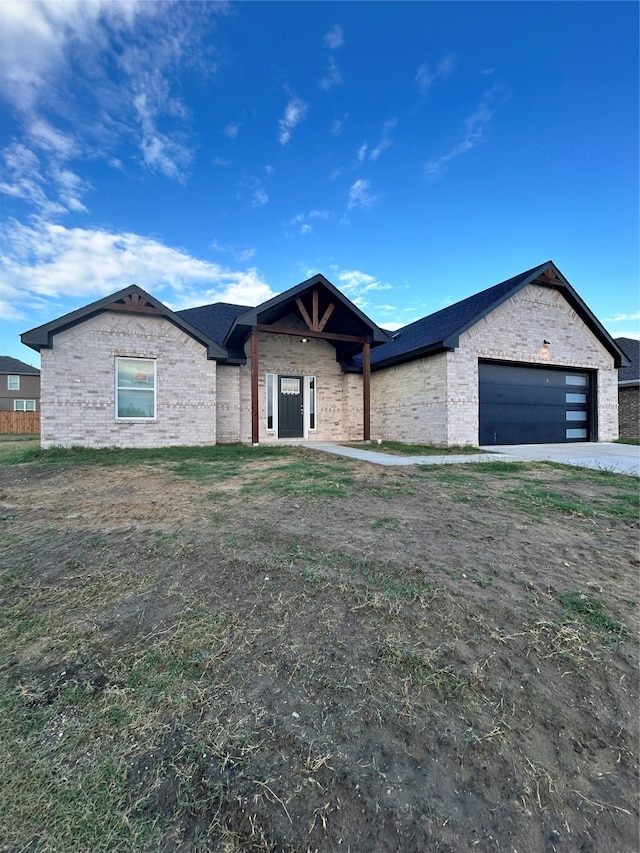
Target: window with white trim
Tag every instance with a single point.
(135, 388)
(13, 383)
(270, 399)
(24, 405)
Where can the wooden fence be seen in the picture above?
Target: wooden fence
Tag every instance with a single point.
(19, 423)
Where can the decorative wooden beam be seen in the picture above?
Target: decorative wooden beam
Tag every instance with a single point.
(309, 333)
(134, 302)
(326, 316)
(314, 302)
(303, 312)
(366, 391)
(255, 422)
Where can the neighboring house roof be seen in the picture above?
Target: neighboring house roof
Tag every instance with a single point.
(629, 374)
(14, 366)
(132, 299)
(441, 331)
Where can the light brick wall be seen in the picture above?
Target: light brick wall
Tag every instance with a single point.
(78, 385)
(228, 404)
(286, 355)
(443, 406)
(409, 402)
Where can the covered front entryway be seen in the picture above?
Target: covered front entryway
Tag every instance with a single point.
(290, 407)
(525, 404)
(312, 311)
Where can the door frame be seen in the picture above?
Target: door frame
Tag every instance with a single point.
(296, 423)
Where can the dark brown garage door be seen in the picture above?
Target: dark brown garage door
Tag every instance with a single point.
(533, 405)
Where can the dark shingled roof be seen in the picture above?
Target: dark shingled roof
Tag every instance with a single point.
(631, 349)
(441, 331)
(214, 320)
(15, 366)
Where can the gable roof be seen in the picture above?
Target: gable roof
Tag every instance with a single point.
(441, 331)
(230, 325)
(16, 367)
(132, 299)
(629, 374)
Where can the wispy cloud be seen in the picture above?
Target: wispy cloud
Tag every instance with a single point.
(623, 318)
(58, 77)
(475, 131)
(231, 130)
(360, 195)
(44, 262)
(332, 77)
(304, 220)
(253, 191)
(334, 39)
(426, 77)
(385, 139)
(294, 113)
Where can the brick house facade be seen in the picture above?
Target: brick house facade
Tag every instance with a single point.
(629, 389)
(308, 364)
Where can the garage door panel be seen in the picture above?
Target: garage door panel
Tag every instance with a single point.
(532, 405)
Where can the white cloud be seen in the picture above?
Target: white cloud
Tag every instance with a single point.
(425, 78)
(220, 161)
(475, 131)
(58, 76)
(337, 127)
(45, 184)
(294, 113)
(362, 153)
(385, 139)
(622, 318)
(303, 219)
(356, 282)
(359, 195)
(231, 130)
(45, 262)
(334, 38)
(253, 192)
(332, 77)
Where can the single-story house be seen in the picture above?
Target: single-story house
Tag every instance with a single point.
(629, 389)
(523, 361)
(19, 386)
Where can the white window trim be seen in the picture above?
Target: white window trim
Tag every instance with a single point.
(154, 361)
(24, 409)
(11, 387)
(306, 389)
(306, 428)
(273, 429)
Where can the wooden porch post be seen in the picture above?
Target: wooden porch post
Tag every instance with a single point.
(255, 433)
(366, 391)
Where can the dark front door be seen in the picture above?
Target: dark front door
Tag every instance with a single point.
(533, 405)
(290, 407)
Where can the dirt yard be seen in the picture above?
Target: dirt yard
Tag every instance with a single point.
(303, 653)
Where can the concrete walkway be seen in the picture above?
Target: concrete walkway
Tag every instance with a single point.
(621, 458)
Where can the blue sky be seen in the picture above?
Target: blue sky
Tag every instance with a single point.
(414, 153)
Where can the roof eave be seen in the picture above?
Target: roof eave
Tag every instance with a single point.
(41, 337)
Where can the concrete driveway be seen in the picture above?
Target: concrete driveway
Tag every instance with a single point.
(604, 456)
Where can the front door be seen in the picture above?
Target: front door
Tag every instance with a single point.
(290, 407)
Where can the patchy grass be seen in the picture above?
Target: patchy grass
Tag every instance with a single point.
(240, 650)
(591, 611)
(189, 456)
(399, 448)
(628, 441)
